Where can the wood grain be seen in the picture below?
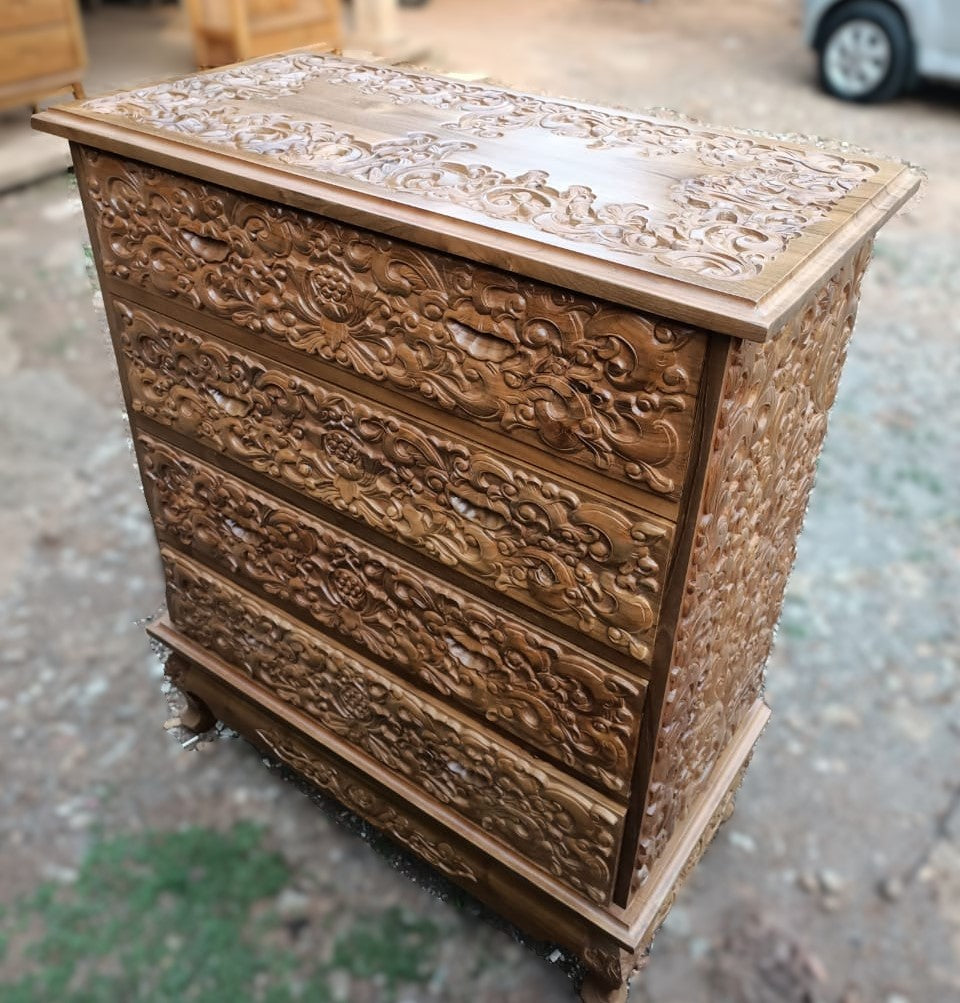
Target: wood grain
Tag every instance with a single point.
(42, 50)
(610, 389)
(702, 225)
(560, 826)
(461, 515)
(570, 706)
(580, 558)
(759, 473)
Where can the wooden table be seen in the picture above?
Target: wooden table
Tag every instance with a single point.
(477, 429)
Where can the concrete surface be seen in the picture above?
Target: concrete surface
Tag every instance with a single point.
(838, 879)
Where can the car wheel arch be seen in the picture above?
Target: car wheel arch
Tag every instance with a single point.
(820, 35)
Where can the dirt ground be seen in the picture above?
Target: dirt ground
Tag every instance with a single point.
(838, 878)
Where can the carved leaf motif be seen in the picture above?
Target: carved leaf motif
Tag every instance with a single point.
(728, 226)
(570, 833)
(610, 388)
(362, 799)
(572, 707)
(586, 561)
(772, 422)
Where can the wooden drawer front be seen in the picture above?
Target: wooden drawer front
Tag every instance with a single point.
(37, 52)
(585, 560)
(29, 13)
(557, 824)
(602, 386)
(573, 708)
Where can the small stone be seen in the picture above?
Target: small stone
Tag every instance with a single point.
(171, 722)
(743, 841)
(292, 905)
(831, 882)
(340, 987)
(808, 882)
(839, 715)
(891, 889)
(554, 956)
(700, 948)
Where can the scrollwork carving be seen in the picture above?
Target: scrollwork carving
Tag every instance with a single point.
(772, 422)
(728, 225)
(611, 389)
(569, 832)
(507, 673)
(580, 558)
(367, 803)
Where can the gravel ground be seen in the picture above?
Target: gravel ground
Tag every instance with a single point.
(838, 879)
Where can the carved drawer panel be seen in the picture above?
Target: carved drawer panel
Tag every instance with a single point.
(608, 388)
(557, 824)
(573, 708)
(584, 559)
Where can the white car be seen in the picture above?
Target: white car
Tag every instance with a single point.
(874, 50)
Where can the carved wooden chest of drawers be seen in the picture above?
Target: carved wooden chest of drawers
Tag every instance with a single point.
(477, 430)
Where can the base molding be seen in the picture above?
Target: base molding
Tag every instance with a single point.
(611, 943)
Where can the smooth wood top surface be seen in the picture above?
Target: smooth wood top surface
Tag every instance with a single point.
(717, 228)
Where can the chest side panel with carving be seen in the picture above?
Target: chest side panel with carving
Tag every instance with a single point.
(568, 832)
(572, 707)
(588, 561)
(771, 426)
(607, 388)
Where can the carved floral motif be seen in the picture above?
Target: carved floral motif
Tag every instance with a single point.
(570, 833)
(609, 388)
(587, 561)
(771, 426)
(727, 225)
(505, 672)
(361, 798)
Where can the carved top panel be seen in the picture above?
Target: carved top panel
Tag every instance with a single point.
(618, 196)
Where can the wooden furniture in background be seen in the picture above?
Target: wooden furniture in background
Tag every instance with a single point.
(42, 50)
(477, 430)
(226, 31)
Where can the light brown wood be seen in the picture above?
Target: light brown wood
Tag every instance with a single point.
(491, 559)
(701, 225)
(226, 31)
(42, 50)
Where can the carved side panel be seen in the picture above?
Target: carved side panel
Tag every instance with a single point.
(772, 421)
(589, 562)
(608, 388)
(573, 708)
(570, 833)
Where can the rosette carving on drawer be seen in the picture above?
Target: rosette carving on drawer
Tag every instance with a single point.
(606, 387)
(560, 826)
(575, 709)
(584, 559)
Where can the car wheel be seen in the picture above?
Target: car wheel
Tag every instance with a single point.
(866, 53)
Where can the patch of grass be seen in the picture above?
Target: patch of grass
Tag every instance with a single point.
(392, 947)
(170, 916)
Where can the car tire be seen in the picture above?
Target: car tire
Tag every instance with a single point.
(865, 52)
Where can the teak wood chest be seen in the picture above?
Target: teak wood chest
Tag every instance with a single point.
(477, 430)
